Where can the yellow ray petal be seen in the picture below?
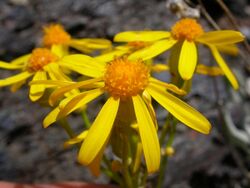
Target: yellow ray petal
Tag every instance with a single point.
(148, 101)
(182, 111)
(230, 49)
(88, 45)
(159, 67)
(21, 60)
(10, 66)
(107, 57)
(79, 138)
(16, 86)
(146, 36)
(36, 91)
(148, 135)
(79, 101)
(83, 64)
(228, 73)
(164, 85)
(209, 70)
(187, 60)
(59, 50)
(15, 79)
(221, 37)
(84, 70)
(51, 83)
(152, 50)
(52, 116)
(99, 132)
(55, 72)
(57, 94)
(94, 166)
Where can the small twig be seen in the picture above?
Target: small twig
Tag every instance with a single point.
(207, 16)
(213, 23)
(232, 20)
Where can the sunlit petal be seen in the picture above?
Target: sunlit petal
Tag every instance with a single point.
(109, 56)
(52, 116)
(221, 37)
(56, 73)
(10, 66)
(15, 79)
(83, 64)
(21, 60)
(51, 83)
(36, 91)
(152, 50)
(209, 70)
(57, 94)
(228, 73)
(59, 50)
(164, 85)
(230, 49)
(146, 36)
(182, 111)
(88, 45)
(79, 101)
(187, 60)
(148, 135)
(99, 132)
(79, 138)
(159, 67)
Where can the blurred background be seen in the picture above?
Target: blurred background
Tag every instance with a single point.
(32, 154)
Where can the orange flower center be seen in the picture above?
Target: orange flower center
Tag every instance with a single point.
(39, 58)
(55, 34)
(124, 79)
(186, 28)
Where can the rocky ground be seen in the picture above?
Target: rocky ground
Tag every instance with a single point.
(29, 153)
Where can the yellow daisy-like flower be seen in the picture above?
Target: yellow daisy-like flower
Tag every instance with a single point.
(54, 34)
(124, 81)
(184, 36)
(41, 64)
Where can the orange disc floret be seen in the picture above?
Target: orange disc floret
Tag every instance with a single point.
(124, 79)
(55, 34)
(39, 58)
(187, 28)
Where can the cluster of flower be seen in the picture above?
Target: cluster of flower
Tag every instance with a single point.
(123, 73)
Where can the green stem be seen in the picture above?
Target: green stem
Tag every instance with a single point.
(165, 130)
(164, 161)
(125, 161)
(65, 125)
(86, 119)
(144, 179)
(109, 172)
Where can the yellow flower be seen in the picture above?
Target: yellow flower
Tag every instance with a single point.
(125, 82)
(183, 38)
(54, 34)
(41, 64)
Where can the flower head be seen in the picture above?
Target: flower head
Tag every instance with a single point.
(39, 58)
(186, 29)
(41, 64)
(183, 40)
(125, 81)
(55, 34)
